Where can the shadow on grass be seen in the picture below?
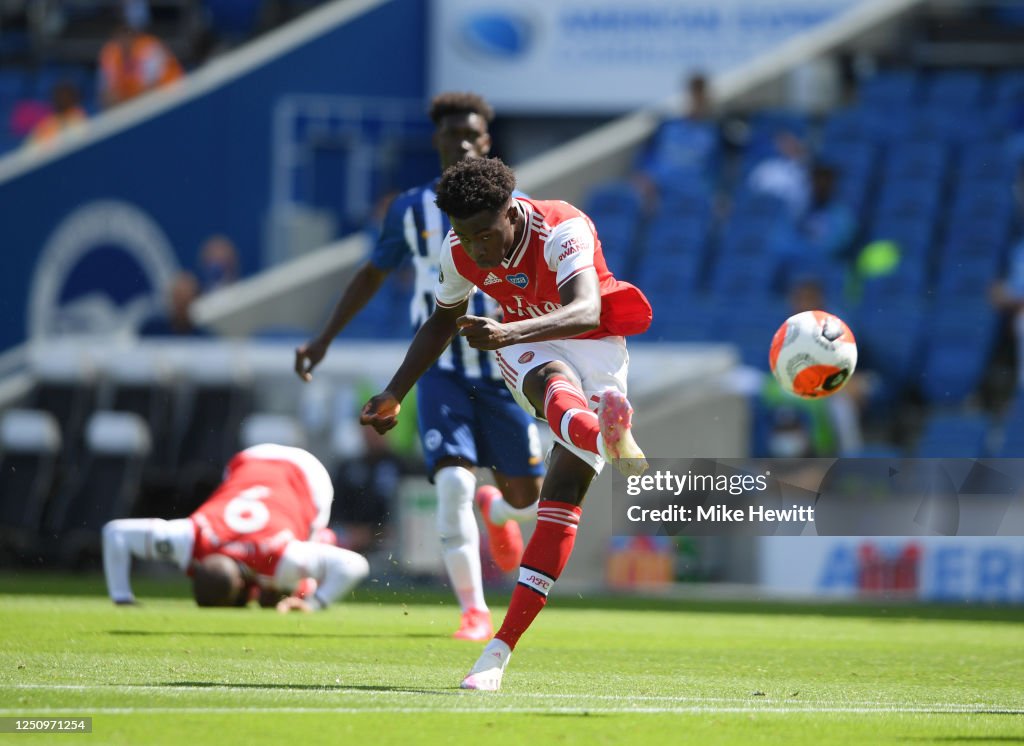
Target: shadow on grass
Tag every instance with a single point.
(296, 635)
(453, 691)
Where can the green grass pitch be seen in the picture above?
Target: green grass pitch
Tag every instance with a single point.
(375, 672)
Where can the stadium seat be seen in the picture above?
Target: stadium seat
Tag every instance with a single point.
(910, 199)
(964, 279)
(890, 89)
(890, 338)
(984, 201)
(986, 160)
(685, 197)
(954, 436)
(1011, 442)
(845, 125)
(916, 161)
(614, 198)
(29, 451)
(117, 445)
(618, 234)
(137, 381)
(66, 387)
(218, 398)
(673, 253)
(955, 89)
(959, 345)
(752, 330)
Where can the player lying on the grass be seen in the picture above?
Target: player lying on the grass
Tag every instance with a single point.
(561, 349)
(254, 534)
(467, 418)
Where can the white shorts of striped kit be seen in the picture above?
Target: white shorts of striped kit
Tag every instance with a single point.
(600, 364)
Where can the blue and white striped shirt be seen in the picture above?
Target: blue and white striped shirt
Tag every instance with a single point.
(416, 228)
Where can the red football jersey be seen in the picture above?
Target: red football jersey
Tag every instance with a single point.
(559, 242)
(260, 507)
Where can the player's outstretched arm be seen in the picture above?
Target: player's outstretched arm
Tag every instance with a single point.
(580, 297)
(142, 538)
(363, 286)
(335, 570)
(381, 412)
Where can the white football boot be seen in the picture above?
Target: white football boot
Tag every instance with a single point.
(486, 673)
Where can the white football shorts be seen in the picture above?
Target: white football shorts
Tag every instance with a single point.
(600, 364)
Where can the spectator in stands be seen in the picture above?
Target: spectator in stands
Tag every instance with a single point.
(1007, 294)
(66, 117)
(134, 62)
(684, 147)
(822, 238)
(176, 319)
(785, 175)
(218, 263)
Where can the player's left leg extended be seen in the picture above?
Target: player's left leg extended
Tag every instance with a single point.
(558, 515)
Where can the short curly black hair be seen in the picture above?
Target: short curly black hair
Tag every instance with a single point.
(446, 104)
(475, 185)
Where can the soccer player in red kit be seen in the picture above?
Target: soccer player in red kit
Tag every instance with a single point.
(257, 528)
(561, 349)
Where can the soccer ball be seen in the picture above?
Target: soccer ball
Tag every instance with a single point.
(813, 354)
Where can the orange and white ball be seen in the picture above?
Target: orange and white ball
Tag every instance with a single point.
(813, 354)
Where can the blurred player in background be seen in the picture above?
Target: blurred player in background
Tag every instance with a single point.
(561, 349)
(467, 417)
(256, 531)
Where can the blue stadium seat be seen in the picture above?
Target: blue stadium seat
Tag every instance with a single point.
(235, 19)
(890, 89)
(986, 161)
(954, 436)
(736, 277)
(13, 86)
(670, 238)
(752, 329)
(909, 280)
(613, 198)
(618, 235)
(959, 345)
(916, 161)
(687, 196)
(987, 201)
(680, 317)
(969, 238)
(909, 199)
(845, 125)
(890, 337)
(967, 278)
(1012, 437)
(946, 124)
(956, 89)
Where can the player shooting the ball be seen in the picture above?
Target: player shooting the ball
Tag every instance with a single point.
(561, 350)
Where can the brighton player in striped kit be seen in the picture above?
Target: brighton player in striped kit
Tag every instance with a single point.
(467, 418)
(561, 349)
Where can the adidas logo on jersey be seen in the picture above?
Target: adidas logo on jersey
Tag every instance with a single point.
(491, 279)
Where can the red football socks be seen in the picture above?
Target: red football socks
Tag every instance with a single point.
(543, 561)
(566, 410)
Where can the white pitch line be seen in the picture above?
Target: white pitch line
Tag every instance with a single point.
(767, 704)
(695, 709)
